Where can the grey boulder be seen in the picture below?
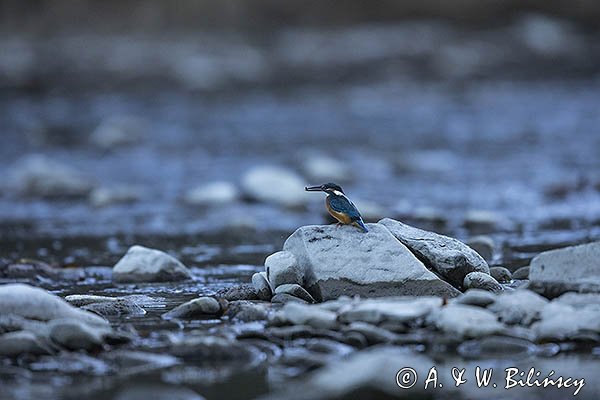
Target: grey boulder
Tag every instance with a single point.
(141, 264)
(282, 268)
(342, 260)
(449, 257)
(574, 268)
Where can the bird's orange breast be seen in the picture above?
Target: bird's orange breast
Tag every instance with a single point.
(341, 217)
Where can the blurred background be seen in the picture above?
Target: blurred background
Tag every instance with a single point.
(201, 119)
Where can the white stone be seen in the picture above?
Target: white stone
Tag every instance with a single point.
(283, 268)
(575, 268)
(37, 175)
(449, 257)
(212, 194)
(463, 321)
(271, 184)
(518, 307)
(37, 304)
(342, 260)
(141, 264)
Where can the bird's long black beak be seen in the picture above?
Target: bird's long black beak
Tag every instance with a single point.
(313, 188)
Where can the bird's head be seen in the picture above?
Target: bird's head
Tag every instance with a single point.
(329, 188)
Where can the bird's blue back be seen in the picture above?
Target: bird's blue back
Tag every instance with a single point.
(343, 205)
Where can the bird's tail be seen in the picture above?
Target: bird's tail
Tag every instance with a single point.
(359, 223)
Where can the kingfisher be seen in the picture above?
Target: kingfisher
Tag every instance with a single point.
(339, 206)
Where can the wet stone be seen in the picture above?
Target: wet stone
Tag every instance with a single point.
(291, 332)
(37, 304)
(393, 309)
(290, 186)
(107, 196)
(356, 339)
(247, 311)
(299, 314)
(449, 257)
(296, 291)
(480, 280)
(282, 268)
(201, 307)
(141, 264)
(372, 333)
(75, 335)
(334, 260)
(483, 245)
(563, 322)
(261, 285)
(212, 194)
(38, 176)
(28, 269)
(476, 297)
(518, 307)
(463, 321)
(501, 274)
(321, 168)
(214, 348)
(521, 273)
(13, 344)
(116, 308)
(578, 300)
(573, 268)
(287, 298)
(238, 292)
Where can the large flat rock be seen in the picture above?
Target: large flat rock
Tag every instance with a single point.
(449, 257)
(575, 268)
(342, 260)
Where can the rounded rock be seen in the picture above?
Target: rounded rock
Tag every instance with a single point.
(477, 297)
(484, 245)
(287, 188)
(521, 273)
(200, 307)
(282, 268)
(296, 291)
(212, 194)
(286, 298)
(481, 280)
(141, 264)
(13, 344)
(261, 284)
(238, 292)
(501, 274)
